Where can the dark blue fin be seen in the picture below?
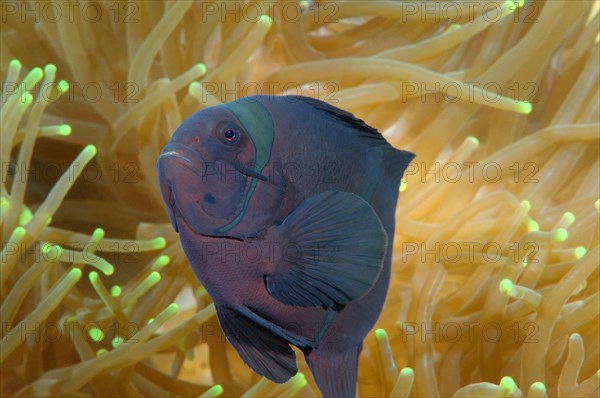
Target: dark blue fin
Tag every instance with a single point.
(334, 372)
(396, 163)
(266, 353)
(254, 316)
(399, 159)
(342, 116)
(332, 249)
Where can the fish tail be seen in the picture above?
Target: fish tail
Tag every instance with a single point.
(335, 372)
(396, 163)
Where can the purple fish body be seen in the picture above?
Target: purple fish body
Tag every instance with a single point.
(285, 210)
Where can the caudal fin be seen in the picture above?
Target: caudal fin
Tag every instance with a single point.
(397, 162)
(334, 373)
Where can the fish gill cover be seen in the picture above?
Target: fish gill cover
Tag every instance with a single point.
(495, 282)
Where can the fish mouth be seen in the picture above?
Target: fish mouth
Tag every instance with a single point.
(182, 156)
(174, 212)
(202, 195)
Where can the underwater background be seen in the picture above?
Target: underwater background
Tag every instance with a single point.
(495, 278)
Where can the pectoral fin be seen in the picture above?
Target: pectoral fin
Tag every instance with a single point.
(332, 250)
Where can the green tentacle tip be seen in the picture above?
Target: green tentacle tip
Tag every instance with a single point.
(167, 313)
(403, 185)
(407, 372)
(52, 252)
(579, 252)
(106, 267)
(89, 151)
(472, 140)
(117, 341)
(214, 391)
(172, 309)
(26, 99)
(115, 291)
(153, 278)
(63, 86)
(15, 63)
(64, 130)
(96, 334)
(162, 260)
(526, 205)
(150, 321)
(36, 73)
(56, 253)
(520, 3)
(538, 386)
(194, 86)
(300, 380)
(597, 204)
(267, 19)
(25, 216)
(50, 68)
(103, 265)
(158, 243)
(510, 4)
(561, 235)
(505, 286)
(453, 27)
(97, 234)
(524, 107)
(569, 218)
(18, 234)
(101, 351)
(381, 335)
(93, 276)
(532, 225)
(508, 384)
(201, 69)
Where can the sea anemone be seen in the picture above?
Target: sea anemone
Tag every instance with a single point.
(495, 285)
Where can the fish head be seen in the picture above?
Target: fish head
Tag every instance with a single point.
(209, 170)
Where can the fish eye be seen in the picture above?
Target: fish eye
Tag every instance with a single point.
(230, 136)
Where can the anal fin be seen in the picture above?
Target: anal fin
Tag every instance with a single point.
(266, 353)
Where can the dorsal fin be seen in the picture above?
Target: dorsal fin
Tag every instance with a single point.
(397, 160)
(343, 116)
